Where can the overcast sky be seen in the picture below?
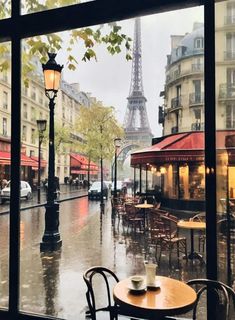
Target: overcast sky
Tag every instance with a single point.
(109, 78)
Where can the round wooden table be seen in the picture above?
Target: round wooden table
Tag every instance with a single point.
(172, 298)
(144, 206)
(192, 225)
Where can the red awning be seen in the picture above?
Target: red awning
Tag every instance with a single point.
(81, 162)
(5, 158)
(179, 147)
(43, 162)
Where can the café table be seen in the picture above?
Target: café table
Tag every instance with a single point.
(192, 225)
(173, 297)
(144, 206)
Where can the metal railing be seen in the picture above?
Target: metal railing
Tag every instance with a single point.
(176, 102)
(196, 98)
(227, 91)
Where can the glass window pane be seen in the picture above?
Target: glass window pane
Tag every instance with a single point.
(225, 119)
(31, 6)
(5, 158)
(51, 282)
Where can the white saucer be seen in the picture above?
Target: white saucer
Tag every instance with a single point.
(134, 289)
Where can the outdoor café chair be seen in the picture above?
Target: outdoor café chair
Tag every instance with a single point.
(224, 300)
(171, 240)
(100, 282)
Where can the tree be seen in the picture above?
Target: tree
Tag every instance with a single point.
(40, 45)
(99, 127)
(62, 137)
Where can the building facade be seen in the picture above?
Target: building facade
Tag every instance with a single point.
(34, 107)
(175, 162)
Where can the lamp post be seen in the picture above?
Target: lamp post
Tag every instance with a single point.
(101, 175)
(51, 238)
(117, 144)
(41, 124)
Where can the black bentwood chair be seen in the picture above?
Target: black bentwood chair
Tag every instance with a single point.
(100, 282)
(223, 295)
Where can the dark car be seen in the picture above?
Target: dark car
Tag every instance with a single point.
(95, 190)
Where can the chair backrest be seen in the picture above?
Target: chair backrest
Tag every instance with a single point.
(105, 277)
(223, 294)
(201, 217)
(170, 226)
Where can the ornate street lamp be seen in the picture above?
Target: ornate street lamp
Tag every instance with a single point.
(117, 144)
(101, 175)
(51, 239)
(41, 124)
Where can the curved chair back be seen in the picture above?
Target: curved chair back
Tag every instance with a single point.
(224, 297)
(107, 277)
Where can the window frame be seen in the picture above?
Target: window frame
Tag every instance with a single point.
(18, 27)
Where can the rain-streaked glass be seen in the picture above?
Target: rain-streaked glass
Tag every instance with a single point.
(225, 134)
(5, 158)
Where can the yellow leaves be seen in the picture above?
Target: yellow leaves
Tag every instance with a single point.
(98, 126)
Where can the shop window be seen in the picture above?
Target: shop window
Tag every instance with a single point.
(230, 116)
(24, 133)
(33, 93)
(33, 114)
(199, 43)
(184, 182)
(197, 182)
(4, 126)
(33, 136)
(5, 100)
(25, 111)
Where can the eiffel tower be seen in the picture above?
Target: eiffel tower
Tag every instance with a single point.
(136, 124)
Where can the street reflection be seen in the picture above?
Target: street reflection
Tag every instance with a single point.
(52, 283)
(50, 268)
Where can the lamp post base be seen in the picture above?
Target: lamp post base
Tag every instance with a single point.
(102, 207)
(51, 240)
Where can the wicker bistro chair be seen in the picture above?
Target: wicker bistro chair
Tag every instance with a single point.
(97, 278)
(133, 218)
(118, 207)
(223, 303)
(171, 240)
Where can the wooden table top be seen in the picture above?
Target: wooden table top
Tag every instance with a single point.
(173, 297)
(144, 205)
(191, 224)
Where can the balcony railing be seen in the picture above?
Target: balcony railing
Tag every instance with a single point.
(196, 98)
(228, 20)
(174, 129)
(195, 67)
(229, 55)
(176, 102)
(227, 91)
(197, 126)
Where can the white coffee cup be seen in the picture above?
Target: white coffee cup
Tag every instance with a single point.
(137, 281)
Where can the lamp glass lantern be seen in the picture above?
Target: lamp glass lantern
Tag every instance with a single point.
(117, 142)
(41, 124)
(52, 75)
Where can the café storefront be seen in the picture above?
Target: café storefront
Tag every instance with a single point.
(174, 170)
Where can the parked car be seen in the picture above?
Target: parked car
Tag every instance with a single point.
(95, 190)
(25, 191)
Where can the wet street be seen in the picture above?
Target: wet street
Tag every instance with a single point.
(52, 283)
